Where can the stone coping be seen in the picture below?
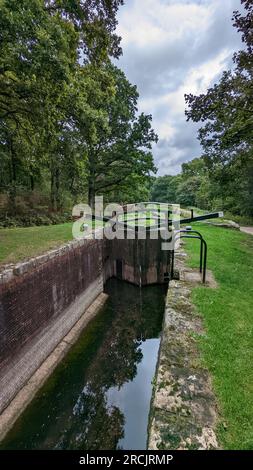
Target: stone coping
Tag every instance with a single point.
(183, 413)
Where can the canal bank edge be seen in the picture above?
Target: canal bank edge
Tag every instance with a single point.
(29, 390)
(183, 412)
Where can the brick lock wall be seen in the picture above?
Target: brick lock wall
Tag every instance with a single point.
(41, 289)
(42, 299)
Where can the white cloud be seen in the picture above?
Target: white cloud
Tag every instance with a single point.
(157, 21)
(173, 47)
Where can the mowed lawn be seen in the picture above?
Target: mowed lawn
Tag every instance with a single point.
(227, 346)
(17, 244)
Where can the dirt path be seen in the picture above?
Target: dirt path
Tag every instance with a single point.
(247, 230)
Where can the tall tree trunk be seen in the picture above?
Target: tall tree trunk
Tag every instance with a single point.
(13, 168)
(57, 189)
(91, 194)
(55, 186)
(52, 193)
(91, 182)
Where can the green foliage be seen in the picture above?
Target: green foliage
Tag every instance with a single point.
(31, 219)
(187, 191)
(164, 189)
(135, 189)
(222, 179)
(68, 118)
(120, 152)
(226, 111)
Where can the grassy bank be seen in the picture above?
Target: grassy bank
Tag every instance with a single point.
(227, 347)
(17, 244)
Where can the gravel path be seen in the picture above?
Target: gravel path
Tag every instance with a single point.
(247, 230)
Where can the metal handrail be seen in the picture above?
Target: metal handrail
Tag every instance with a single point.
(203, 263)
(201, 245)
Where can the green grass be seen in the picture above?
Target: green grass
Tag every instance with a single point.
(17, 244)
(227, 347)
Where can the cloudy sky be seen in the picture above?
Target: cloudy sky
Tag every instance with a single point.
(173, 47)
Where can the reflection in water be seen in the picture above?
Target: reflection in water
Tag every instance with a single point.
(99, 396)
(133, 398)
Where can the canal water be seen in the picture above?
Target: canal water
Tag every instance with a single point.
(99, 396)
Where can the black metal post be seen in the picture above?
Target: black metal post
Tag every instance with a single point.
(201, 256)
(205, 261)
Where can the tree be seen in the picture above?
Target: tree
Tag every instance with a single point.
(44, 45)
(165, 189)
(227, 113)
(195, 167)
(120, 148)
(95, 21)
(68, 117)
(187, 191)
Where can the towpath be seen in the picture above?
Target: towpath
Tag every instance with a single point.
(247, 230)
